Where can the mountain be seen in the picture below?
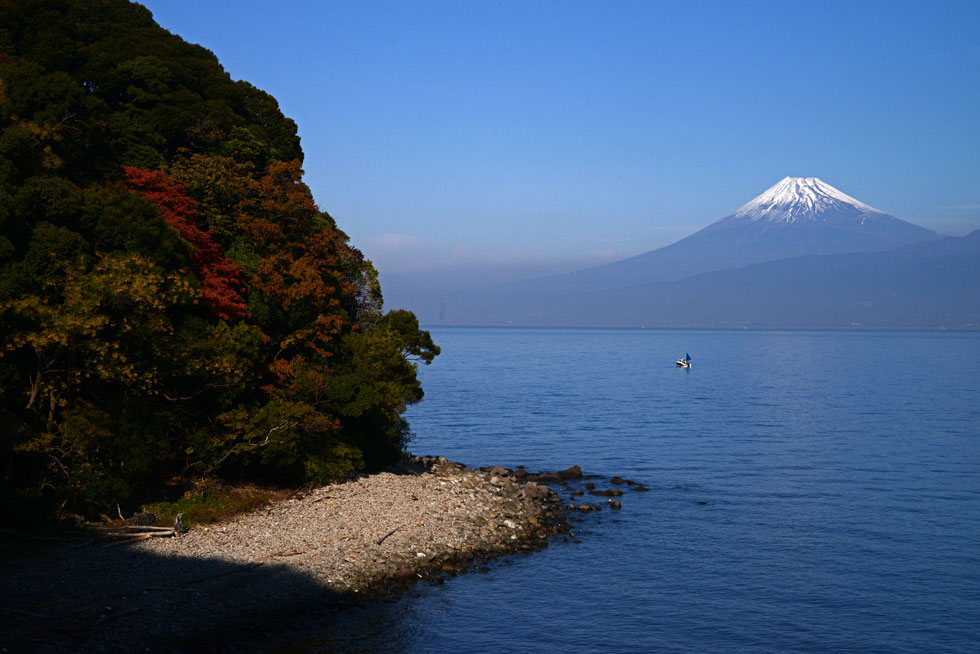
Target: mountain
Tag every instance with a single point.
(797, 216)
(921, 286)
(794, 217)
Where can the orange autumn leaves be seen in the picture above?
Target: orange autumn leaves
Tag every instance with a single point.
(297, 261)
(174, 302)
(219, 277)
(299, 266)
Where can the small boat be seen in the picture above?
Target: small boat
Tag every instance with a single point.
(685, 362)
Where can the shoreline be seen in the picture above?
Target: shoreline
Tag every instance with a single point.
(371, 537)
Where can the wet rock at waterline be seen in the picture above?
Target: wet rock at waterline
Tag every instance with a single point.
(612, 492)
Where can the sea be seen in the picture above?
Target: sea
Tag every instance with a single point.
(810, 491)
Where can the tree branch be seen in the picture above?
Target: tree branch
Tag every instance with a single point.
(249, 444)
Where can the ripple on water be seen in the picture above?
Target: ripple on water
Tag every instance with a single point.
(798, 503)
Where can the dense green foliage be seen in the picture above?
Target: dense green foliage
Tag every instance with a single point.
(172, 302)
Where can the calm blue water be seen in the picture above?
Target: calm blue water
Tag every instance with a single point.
(810, 492)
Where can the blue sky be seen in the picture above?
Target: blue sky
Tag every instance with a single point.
(506, 138)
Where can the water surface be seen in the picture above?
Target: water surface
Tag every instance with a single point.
(810, 492)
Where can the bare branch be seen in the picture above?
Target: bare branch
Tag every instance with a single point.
(35, 388)
(250, 444)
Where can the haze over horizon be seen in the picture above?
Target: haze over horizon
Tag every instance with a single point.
(490, 141)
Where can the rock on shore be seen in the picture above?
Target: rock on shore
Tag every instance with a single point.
(367, 537)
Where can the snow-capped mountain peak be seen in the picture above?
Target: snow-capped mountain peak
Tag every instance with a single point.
(800, 199)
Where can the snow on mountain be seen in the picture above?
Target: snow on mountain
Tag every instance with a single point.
(800, 199)
(798, 216)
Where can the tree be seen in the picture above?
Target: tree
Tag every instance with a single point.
(174, 303)
(219, 277)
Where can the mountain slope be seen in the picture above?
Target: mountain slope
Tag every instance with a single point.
(794, 217)
(926, 285)
(929, 285)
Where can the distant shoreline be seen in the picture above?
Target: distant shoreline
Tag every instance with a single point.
(718, 328)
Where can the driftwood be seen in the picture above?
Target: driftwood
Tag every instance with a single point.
(382, 539)
(136, 533)
(390, 533)
(290, 552)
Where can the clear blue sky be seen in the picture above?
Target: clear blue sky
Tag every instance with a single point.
(536, 135)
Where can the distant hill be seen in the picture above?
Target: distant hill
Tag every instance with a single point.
(795, 217)
(927, 285)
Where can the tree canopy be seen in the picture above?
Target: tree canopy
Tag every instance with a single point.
(172, 301)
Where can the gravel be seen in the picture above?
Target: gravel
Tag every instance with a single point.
(368, 537)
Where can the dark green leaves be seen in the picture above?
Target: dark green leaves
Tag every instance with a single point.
(172, 301)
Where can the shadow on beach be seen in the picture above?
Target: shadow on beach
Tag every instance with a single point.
(93, 598)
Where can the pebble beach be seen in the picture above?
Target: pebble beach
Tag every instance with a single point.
(370, 537)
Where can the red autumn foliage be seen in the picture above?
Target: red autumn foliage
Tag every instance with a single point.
(219, 277)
